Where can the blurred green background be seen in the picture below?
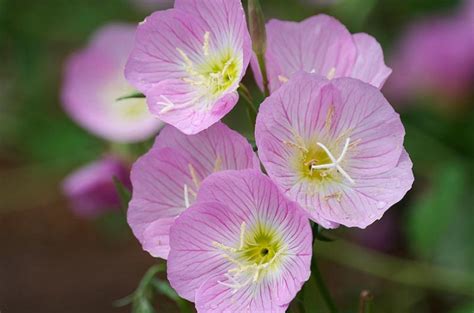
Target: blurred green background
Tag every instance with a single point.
(419, 258)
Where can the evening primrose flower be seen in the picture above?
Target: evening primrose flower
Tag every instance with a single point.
(335, 147)
(94, 80)
(189, 61)
(321, 45)
(90, 189)
(166, 180)
(242, 247)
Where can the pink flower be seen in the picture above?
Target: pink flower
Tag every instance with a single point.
(166, 179)
(91, 191)
(189, 61)
(321, 45)
(335, 147)
(243, 247)
(94, 80)
(435, 55)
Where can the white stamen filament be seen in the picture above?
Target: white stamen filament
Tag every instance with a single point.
(205, 46)
(336, 163)
(186, 196)
(167, 104)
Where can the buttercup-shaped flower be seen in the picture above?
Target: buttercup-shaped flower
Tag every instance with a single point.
(189, 61)
(94, 80)
(335, 147)
(167, 178)
(90, 189)
(242, 247)
(321, 45)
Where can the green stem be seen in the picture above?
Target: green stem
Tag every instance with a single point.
(416, 274)
(324, 291)
(263, 70)
(251, 110)
(365, 304)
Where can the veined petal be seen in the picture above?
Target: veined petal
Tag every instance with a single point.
(320, 139)
(193, 258)
(189, 61)
(365, 203)
(158, 180)
(370, 65)
(166, 180)
(217, 148)
(174, 102)
(226, 18)
(156, 237)
(213, 245)
(319, 44)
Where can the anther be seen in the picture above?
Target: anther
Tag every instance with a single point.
(332, 73)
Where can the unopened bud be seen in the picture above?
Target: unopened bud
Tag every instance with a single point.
(257, 27)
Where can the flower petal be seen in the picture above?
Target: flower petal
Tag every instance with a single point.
(372, 196)
(174, 102)
(156, 237)
(158, 180)
(217, 148)
(319, 44)
(370, 66)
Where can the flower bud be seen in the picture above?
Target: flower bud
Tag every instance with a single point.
(257, 27)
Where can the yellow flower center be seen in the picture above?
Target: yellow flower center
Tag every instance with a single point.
(216, 72)
(260, 250)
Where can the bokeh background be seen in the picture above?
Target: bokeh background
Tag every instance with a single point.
(418, 258)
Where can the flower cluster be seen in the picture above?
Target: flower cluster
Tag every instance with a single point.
(237, 236)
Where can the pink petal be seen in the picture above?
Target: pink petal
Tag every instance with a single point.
(159, 177)
(174, 102)
(309, 109)
(93, 82)
(217, 146)
(156, 237)
(317, 44)
(158, 180)
(370, 198)
(195, 265)
(370, 66)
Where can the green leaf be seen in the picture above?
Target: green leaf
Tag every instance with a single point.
(124, 194)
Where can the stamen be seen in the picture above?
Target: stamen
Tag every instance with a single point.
(335, 162)
(194, 176)
(189, 64)
(167, 103)
(242, 235)
(186, 196)
(246, 270)
(205, 46)
(217, 165)
(283, 79)
(295, 145)
(332, 73)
